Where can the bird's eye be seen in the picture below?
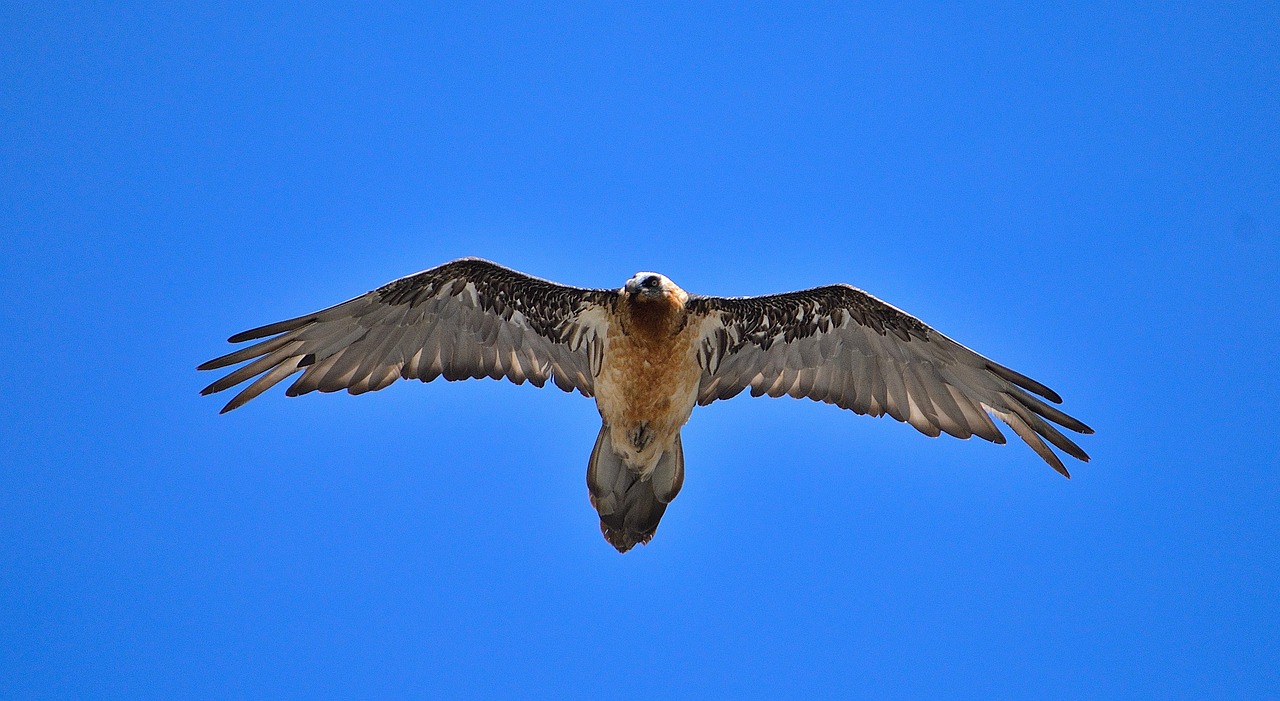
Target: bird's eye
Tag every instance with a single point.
(651, 282)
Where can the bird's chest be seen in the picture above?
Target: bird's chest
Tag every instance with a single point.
(648, 383)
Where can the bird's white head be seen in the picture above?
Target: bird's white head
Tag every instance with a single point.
(647, 286)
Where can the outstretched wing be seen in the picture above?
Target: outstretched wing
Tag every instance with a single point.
(842, 346)
(465, 319)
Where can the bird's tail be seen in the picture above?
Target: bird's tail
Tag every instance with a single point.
(631, 506)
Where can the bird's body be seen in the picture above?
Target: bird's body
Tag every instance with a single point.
(646, 391)
(649, 353)
(648, 384)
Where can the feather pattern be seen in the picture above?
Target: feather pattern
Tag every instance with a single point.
(840, 345)
(469, 318)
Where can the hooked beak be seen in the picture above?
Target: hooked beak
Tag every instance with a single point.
(634, 289)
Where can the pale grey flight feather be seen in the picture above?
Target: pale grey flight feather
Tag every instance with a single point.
(840, 345)
(465, 319)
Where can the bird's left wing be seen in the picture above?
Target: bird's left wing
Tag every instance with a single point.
(840, 345)
(465, 319)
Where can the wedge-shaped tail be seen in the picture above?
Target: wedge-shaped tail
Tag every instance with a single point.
(630, 506)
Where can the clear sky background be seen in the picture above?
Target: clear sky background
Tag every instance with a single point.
(1089, 194)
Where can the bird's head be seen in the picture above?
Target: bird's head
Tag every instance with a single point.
(651, 287)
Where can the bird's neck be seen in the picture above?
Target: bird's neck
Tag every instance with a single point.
(655, 319)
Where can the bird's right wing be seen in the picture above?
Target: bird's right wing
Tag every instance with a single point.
(465, 319)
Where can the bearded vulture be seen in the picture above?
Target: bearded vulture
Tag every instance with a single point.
(649, 352)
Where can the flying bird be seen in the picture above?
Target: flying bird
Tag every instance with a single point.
(648, 353)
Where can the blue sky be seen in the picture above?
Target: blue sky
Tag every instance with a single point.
(1089, 194)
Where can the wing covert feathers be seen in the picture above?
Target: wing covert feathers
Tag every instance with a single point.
(465, 319)
(839, 345)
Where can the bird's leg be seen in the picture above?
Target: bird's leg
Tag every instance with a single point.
(640, 436)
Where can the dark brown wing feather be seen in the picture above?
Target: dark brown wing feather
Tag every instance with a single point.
(465, 319)
(842, 346)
